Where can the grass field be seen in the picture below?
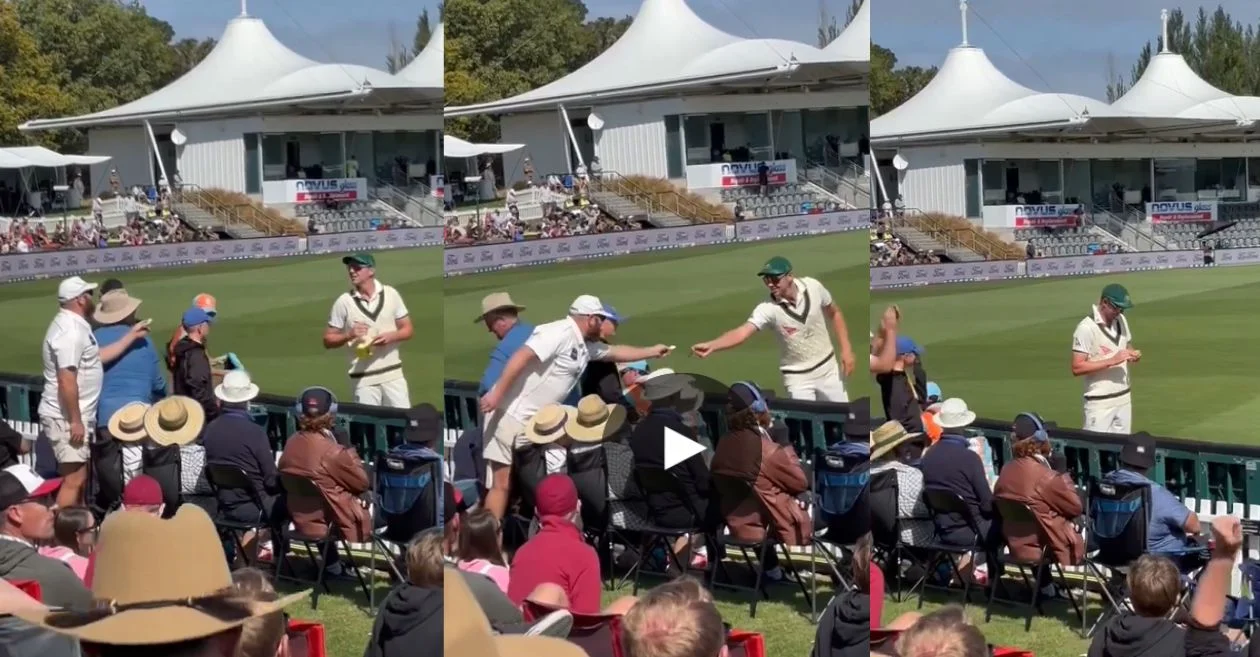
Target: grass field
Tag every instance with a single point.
(272, 314)
(678, 297)
(1005, 347)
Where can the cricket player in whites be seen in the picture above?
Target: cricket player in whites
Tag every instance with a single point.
(798, 311)
(1101, 353)
(371, 320)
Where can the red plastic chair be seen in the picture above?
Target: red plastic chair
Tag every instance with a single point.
(1010, 652)
(598, 634)
(29, 587)
(306, 639)
(745, 644)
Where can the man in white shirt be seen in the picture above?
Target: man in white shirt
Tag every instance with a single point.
(541, 373)
(73, 373)
(371, 320)
(796, 311)
(1101, 353)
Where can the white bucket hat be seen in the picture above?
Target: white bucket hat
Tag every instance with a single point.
(954, 414)
(237, 388)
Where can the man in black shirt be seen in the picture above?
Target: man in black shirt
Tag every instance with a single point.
(901, 389)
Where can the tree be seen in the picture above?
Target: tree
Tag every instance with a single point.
(891, 86)
(189, 53)
(828, 28)
(399, 55)
(28, 84)
(1221, 50)
(424, 32)
(601, 33)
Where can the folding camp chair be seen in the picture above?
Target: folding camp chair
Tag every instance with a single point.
(1015, 513)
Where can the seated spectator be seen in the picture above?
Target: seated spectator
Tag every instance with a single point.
(74, 537)
(1171, 522)
(1154, 587)
(481, 547)
(557, 554)
(1038, 478)
(314, 453)
(262, 636)
(942, 633)
(12, 445)
(454, 510)
(773, 472)
(892, 448)
(411, 616)
(673, 621)
(234, 439)
(844, 630)
(951, 465)
(1204, 634)
(19, 638)
(143, 494)
(467, 632)
(26, 520)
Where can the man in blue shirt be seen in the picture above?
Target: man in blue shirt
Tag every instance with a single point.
(1170, 520)
(501, 316)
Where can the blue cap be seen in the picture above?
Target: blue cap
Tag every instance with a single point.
(638, 366)
(907, 346)
(934, 391)
(611, 314)
(194, 316)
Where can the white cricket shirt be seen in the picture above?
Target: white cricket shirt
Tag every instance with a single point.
(69, 343)
(1099, 342)
(381, 311)
(801, 327)
(562, 357)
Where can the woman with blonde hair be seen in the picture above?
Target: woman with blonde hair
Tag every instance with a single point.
(410, 619)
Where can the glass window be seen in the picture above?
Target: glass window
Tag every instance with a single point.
(331, 154)
(993, 174)
(789, 135)
(1233, 178)
(273, 157)
(673, 147)
(1120, 183)
(1175, 179)
(971, 169)
(253, 175)
(1076, 182)
(696, 132)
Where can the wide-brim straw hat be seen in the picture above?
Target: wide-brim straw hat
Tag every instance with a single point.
(888, 436)
(115, 306)
(677, 391)
(467, 632)
(175, 421)
(594, 420)
(184, 595)
(127, 423)
(548, 424)
(497, 301)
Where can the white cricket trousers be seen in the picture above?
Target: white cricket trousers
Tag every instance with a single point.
(392, 394)
(1110, 415)
(823, 384)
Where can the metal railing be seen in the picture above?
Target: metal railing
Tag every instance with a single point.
(659, 201)
(847, 182)
(1125, 230)
(416, 202)
(230, 212)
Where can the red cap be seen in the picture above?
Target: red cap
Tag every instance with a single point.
(142, 491)
(556, 496)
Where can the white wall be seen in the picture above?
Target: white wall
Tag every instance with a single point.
(545, 141)
(934, 182)
(132, 153)
(632, 140)
(214, 155)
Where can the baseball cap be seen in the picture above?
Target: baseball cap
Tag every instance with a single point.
(19, 483)
(316, 401)
(1118, 296)
(776, 266)
(556, 496)
(1139, 451)
(934, 392)
(589, 305)
(360, 260)
(611, 313)
(424, 425)
(143, 490)
(907, 346)
(195, 316)
(857, 426)
(207, 303)
(638, 366)
(72, 288)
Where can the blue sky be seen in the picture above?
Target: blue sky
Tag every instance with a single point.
(1054, 46)
(360, 34)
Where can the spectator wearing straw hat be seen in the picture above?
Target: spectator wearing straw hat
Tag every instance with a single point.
(118, 455)
(502, 317)
(894, 448)
(135, 376)
(192, 376)
(174, 424)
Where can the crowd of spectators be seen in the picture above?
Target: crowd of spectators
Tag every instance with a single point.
(576, 215)
(888, 250)
(953, 514)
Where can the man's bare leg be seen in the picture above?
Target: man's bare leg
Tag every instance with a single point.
(500, 487)
(73, 482)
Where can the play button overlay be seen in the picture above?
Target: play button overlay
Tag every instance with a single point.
(679, 448)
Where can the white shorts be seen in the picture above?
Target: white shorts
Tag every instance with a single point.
(823, 384)
(1108, 416)
(393, 393)
(57, 432)
(502, 437)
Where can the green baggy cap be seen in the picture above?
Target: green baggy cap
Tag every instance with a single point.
(360, 259)
(776, 266)
(1116, 295)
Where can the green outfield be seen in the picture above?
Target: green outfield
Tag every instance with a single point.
(272, 314)
(1006, 347)
(678, 297)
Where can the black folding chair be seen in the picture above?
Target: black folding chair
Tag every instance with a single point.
(659, 480)
(302, 488)
(732, 492)
(940, 502)
(230, 477)
(890, 551)
(406, 488)
(842, 502)
(1118, 518)
(1012, 513)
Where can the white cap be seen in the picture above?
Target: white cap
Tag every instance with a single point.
(588, 305)
(73, 288)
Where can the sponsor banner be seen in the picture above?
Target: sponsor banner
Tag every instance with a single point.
(398, 238)
(738, 174)
(1233, 257)
(485, 257)
(1114, 262)
(1048, 216)
(805, 224)
(1177, 212)
(953, 272)
(26, 266)
(309, 190)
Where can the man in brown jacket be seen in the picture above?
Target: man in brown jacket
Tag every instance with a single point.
(313, 452)
(1038, 478)
(773, 471)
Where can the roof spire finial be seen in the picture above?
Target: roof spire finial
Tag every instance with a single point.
(1163, 19)
(962, 8)
(244, 7)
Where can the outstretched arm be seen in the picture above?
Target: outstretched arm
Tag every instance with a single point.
(729, 340)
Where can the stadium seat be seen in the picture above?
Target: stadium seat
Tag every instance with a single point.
(1007, 512)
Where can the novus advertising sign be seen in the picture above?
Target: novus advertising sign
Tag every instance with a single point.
(1177, 212)
(739, 174)
(328, 190)
(1048, 216)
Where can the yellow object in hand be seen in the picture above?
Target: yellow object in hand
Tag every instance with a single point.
(364, 349)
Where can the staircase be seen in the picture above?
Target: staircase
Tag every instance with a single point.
(202, 219)
(234, 214)
(922, 232)
(416, 202)
(1131, 230)
(847, 184)
(665, 207)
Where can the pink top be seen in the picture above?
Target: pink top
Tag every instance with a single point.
(64, 554)
(497, 573)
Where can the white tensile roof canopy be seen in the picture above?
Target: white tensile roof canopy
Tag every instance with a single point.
(249, 70)
(854, 43)
(25, 157)
(455, 147)
(669, 48)
(969, 97)
(427, 67)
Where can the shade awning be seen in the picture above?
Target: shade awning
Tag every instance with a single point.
(24, 157)
(456, 147)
